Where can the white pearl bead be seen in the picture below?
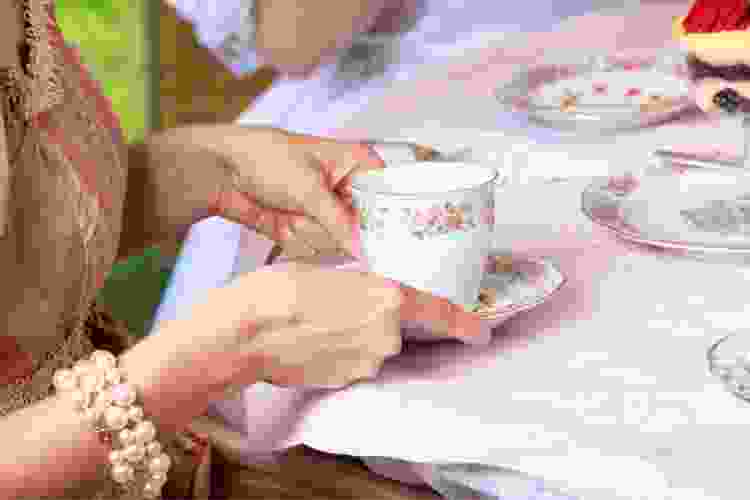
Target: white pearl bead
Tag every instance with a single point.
(159, 478)
(103, 359)
(113, 376)
(151, 490)
(65, 380)
(134, 453)
(91, 382)
(103, 400)
(91, 416)
(116, 418)
(80, 398)
(127, 437)
(135, 413)
(162, 463)
(84, 367)
(153, 448)
(115, 457)
(145, 432)
(122, 473)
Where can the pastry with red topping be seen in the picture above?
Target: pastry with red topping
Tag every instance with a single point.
(716, 34)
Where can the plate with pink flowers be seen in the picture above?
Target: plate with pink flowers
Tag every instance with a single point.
(513, 284)
(602, 92)
(688, 209)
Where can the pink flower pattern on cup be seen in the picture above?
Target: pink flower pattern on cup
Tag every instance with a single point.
(430, 221)
(439, 219)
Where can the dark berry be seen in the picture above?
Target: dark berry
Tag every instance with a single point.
(728, 100)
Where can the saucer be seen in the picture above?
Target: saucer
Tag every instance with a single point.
(516, 284)
(694, 209)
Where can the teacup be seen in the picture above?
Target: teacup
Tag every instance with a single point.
(428, 225)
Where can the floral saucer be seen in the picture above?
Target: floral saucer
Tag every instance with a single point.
(511, 285)
(608, 92)
(693, 210)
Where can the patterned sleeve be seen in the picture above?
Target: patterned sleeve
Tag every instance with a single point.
(225, 27)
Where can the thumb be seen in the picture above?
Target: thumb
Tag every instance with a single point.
(336, 218)
(441, 316)
(341, 161)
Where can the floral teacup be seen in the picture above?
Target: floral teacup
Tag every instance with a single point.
(428, 225)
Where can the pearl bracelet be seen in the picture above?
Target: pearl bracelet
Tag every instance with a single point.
(101, 394)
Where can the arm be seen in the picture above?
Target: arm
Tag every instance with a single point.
(296, 35)
(290, 35)
(48, 449)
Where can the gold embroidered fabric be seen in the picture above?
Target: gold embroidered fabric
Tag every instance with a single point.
(42, 69)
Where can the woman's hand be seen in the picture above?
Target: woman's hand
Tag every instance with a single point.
(294, 189)
(295, 324)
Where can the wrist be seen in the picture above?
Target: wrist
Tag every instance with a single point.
(170, 403)
(185, 364)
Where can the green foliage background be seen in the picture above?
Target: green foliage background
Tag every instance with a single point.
(112, 37)
(113, 40)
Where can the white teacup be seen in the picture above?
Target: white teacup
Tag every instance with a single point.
(428, 225)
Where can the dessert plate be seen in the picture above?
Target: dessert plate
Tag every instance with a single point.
(694, 210)
(512, 284)
(607, 92)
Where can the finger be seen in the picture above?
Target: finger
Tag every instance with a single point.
(328, 371)
(333, 216)
(356, 158)
(238, 207)
(277, 225)
(335, 163)
(388, 329)
(341, 157)
(314, 235)
(344, 370)
(443, 317)
(297, 248)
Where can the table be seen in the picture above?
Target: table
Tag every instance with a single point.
(603, 392)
